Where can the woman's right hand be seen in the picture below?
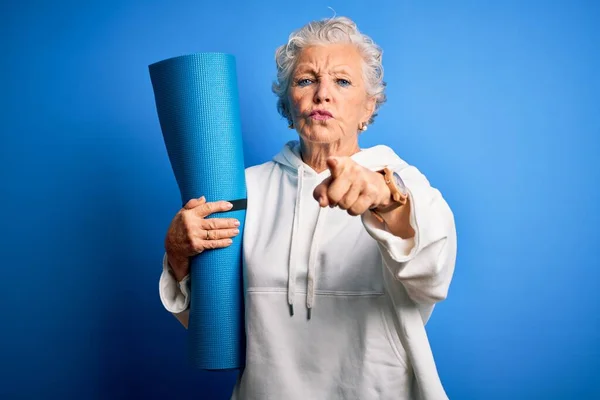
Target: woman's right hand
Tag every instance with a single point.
(190, 233)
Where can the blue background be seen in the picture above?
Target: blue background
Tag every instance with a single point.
(496, 102)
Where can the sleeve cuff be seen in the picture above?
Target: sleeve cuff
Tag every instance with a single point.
(175, 296)
(400, 250)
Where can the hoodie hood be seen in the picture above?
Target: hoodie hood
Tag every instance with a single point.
(374, 158)
(289, 158)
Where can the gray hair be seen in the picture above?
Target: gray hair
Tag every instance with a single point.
(329, 31)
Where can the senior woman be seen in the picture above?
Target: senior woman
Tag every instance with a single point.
(346, 250)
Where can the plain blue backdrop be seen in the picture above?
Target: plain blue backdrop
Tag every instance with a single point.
(496, 102)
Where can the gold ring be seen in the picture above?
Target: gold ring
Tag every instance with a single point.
(207, 235)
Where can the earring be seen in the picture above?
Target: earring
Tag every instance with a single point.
(363, 127)
(291, 125)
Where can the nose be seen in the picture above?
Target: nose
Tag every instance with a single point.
(322, 94)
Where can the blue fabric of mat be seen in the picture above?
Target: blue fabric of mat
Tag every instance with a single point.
(197, 103)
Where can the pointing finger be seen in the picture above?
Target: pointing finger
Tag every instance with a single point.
(336, 166)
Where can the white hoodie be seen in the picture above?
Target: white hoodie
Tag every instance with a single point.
(360, 296)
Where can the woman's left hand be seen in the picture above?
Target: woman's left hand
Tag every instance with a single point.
(352, 187)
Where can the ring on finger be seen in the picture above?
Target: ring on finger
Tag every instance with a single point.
(207, 235)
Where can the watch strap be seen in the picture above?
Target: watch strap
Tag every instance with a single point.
(397, 197)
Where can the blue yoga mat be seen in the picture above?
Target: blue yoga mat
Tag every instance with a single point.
(197, 103)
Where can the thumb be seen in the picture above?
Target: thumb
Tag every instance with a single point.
(320, 192)
(192, 203)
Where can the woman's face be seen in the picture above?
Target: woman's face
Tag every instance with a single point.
(327, 95)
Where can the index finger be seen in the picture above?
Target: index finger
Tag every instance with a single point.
(206, 209)
(336, 166)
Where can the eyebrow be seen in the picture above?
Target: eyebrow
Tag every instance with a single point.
(304, 68)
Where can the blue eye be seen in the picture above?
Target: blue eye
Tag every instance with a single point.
(304, 82)
(343, 82)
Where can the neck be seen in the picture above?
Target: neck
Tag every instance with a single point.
(315, 154)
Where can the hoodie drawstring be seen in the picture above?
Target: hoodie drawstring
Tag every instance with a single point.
(311, 277)
(312, 263)
(292, 260)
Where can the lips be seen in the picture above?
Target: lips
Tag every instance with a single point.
(320, 114)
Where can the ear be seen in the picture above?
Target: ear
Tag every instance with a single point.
(369, 108)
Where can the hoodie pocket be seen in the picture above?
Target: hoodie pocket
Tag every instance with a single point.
(390, 332)
(345, 351)
(385, 361)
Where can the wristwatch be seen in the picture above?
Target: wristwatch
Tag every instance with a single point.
(399, 194)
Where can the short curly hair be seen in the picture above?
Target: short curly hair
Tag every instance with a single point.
(329, 31)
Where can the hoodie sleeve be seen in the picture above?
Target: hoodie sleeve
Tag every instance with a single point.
(174, 296)
(425, 263)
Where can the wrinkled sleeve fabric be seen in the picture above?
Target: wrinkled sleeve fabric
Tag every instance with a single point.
(425, 263)
(175, 296)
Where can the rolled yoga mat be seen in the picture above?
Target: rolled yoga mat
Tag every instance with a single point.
(196, 99)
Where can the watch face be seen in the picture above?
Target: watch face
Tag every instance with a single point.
(399, 183)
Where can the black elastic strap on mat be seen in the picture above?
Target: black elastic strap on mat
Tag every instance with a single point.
(239, 204)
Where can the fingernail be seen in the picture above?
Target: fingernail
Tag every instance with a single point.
(202, 198)
(237, 231)
(236, 223)
(228, 205)
(229, 241)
